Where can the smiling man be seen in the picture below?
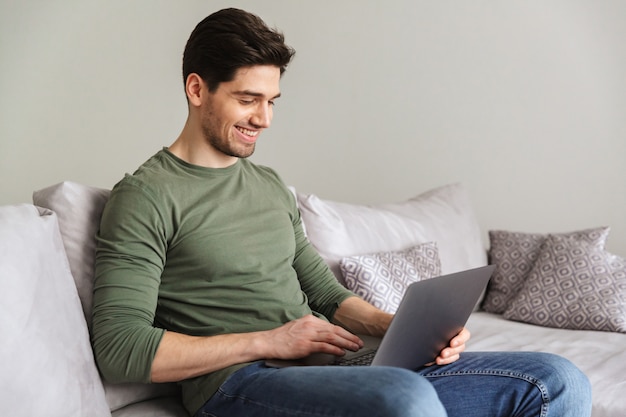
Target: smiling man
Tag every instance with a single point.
(203, 271)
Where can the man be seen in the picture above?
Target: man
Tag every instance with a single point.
(203, 271)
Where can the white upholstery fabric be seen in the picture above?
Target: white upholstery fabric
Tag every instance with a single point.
(46, 362)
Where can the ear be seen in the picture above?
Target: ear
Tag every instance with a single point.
(195, 88)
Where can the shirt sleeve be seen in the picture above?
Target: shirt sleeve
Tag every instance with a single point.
(130, 256)
(318, 282)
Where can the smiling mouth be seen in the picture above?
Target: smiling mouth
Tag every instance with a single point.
(247, 132)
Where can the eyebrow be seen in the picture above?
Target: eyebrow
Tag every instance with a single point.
(253, 94)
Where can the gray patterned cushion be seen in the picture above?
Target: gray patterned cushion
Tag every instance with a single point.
(382, 278)
(514, 255)
(573, 285)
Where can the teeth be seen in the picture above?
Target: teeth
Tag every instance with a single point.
(248, 132)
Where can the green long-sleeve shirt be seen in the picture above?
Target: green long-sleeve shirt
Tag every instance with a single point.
(202, 252)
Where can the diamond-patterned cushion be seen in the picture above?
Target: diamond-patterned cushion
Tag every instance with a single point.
(514, 255)
(573, 285)
(382, 278)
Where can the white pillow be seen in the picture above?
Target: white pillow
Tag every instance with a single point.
(79, 208)
(447, 216)
(443, 215)
(46, 361)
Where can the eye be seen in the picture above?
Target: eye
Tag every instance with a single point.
(246, 102)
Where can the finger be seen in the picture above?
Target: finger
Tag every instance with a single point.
(447, 360)
(341, 338)
(451, 351)
(444, 360)
(353, 339)
(449, 355)
(329, 348)
(461, 338)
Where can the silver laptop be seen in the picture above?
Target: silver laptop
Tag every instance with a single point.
(431, 313)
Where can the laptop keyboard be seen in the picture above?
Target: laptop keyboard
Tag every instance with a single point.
(360, 360)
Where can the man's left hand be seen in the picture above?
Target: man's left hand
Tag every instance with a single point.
(453, 351)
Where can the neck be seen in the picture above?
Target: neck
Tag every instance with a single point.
(192, 147)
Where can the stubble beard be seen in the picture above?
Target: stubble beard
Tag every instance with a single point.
(224, 145)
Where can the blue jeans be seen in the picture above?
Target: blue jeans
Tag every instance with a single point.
(485, 384)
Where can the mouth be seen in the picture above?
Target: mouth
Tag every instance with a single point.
(248, 135)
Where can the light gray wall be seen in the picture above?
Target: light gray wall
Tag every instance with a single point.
(522, 101)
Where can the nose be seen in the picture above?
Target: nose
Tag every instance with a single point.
(262, 117)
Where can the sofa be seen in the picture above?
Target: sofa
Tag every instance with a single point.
(46, 271)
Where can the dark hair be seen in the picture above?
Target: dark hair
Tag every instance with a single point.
(231, 39)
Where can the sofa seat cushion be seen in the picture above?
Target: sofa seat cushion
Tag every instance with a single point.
(600, 355)
(46, 361)
(159, 407)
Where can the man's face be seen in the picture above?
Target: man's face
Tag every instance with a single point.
(235, 114)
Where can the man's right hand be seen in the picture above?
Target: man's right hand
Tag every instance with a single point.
(307, 335)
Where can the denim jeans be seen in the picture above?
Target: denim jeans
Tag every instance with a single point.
(485, 384)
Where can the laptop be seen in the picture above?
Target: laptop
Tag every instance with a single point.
(431, 313)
